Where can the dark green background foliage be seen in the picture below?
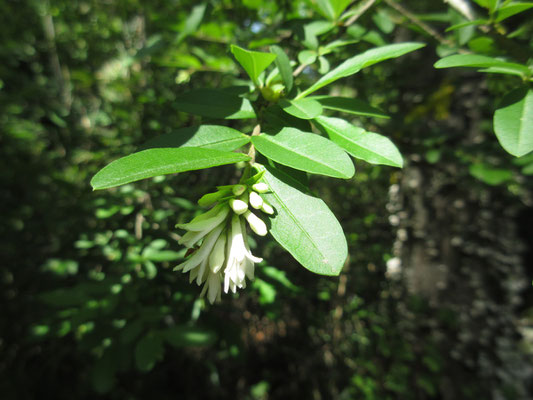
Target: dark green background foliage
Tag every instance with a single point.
(90, 307)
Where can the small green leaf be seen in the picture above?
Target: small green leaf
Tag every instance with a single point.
(153, 162)
(363, 60)
(468, 23)
(513, 121)
(368, 146)
(489, 175)
(305, 151)
(332, 9)
(323, 65)
(192, 22)
(276, 119)
(303, 108)
(512, 9)
(284, 67)
(253, 62)
(207, 136)
(304, 225)
(214, 103)
(148, 351)
(307, 57)
(477, 61)
(186, 336)
(348, 105)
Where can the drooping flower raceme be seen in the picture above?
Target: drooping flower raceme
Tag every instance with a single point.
(223, 256)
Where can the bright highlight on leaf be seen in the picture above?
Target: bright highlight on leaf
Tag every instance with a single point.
(363, 60)
(154, 162)
(305, 151)
(367, 146)
(253, 62)
(478, 61)
(304, 225)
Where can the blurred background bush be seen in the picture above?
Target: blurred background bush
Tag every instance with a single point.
(435, 301)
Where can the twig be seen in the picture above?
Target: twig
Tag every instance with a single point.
(365, 5)
(415, 20)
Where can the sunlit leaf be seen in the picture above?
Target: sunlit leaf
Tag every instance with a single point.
(253, 62)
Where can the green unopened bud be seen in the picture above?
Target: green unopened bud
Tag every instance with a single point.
(267, 208)
(218, 254)
(211, 198)
(238, 189)
(255, 200)
(257, 225)
(238, 206)
(260, 187)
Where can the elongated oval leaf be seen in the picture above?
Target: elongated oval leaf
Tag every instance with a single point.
(284, 67)
(512, 9)
(478, 61)
(303, 109)
(368, 146)
(154, 162)
(349, 105)
(304, 225)
(148, 351)
(363, 60)
(208, 136)
(253, 62)
(215, 104)
(305, 151)
(513, 121)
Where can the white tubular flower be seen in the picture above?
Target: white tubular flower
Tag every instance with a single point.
(238, 206)
(267, 208)
(256, 201)
(260, 187)
(200, 256)
(240, 261)
(203, 224)
(218, 255)
(257, 225)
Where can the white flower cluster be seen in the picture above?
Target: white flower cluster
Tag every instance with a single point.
(223, 255)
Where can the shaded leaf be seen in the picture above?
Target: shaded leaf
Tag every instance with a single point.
(478, 61)
(148, 351)
(208, 136)
(214, 103)
(513, 121)
(284, 67)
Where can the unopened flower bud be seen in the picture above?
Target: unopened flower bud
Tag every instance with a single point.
(260, 187)
(238, 189)
(238, 206)
(267, 208)
(255, 200)
(257, 225)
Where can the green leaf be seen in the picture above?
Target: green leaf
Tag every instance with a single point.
(214, 103)
(332, 9)
(305, 151)
(253, 62)
(477, 61)
(303, 108)
(368, 146)
(148, 351)
(512, 9)
(307, 57)
(192, 23)
(207, 136)
(467, 23)
(186, 336)
(276, 119)
(348, 105)
(489, 175)
(304, 225)
(284, 67)
(363, 60)
(154, 162)
(513, 121)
